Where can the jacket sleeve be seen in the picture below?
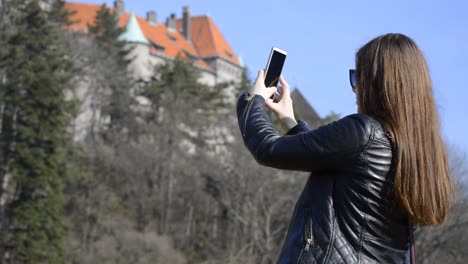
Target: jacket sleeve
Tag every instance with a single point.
(327, 147)
(299, 128)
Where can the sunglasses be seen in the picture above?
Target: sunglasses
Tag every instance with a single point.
(352, 79)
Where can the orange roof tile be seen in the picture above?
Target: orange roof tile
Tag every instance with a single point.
(208, 39)
(84, 14)
(172, 42)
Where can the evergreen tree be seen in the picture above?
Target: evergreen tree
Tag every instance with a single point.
(244, 85)
(331, 117)
(106, 32)
(175, 87)
(34, 139)
(59, 15)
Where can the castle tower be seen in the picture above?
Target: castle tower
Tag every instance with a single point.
(140, 47)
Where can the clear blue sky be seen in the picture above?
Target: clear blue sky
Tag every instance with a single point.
(321, 38)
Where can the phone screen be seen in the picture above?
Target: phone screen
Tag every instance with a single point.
(274, 68)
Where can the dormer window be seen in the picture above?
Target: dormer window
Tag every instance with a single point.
(229, 54)
(172, 38)
(157, 46)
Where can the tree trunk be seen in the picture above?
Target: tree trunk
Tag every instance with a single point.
(189, 221)
(6, 178)
(2, 108)
(214, 232)
(6, 181)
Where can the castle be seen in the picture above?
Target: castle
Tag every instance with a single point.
(196, 38)
(193, 38)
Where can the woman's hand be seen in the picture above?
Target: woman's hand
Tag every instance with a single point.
(260, 88)
(282, 106)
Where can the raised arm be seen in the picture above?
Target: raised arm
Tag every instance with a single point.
(332, 146)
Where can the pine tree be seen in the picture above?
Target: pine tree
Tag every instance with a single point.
(244, 85)
(106, 32)
(175, 86)
(59, 15)
(34, 139)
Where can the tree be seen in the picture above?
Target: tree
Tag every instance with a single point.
(58, 14)
(447, 243)
(106, 32)
(181, 111)
(34, 139)
(105, 92)
(330, 118)
(245, 83)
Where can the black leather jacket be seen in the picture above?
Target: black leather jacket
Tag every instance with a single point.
(346, 212)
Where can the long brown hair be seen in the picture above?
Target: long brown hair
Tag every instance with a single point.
(394, 86)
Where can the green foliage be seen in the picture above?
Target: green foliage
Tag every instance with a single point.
(35, 138)
(178, 82)
(245, 84)
(330, 118)
(118, 108)
(59, 15)
(106, 31)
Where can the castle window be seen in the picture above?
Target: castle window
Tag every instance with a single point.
(172, 38)
(229, 54)
(157, 46)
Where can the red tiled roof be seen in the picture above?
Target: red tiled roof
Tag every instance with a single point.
(206, 38)
(173, 42)
(85, 14)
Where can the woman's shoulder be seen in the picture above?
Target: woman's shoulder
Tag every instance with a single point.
(350, 132)
(363, 121)
(358, 122)
(358, 127)
(371, 127)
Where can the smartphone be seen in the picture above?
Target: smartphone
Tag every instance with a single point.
(274, 67)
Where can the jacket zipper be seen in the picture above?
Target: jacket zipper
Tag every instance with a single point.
(309, 236)
(246, 113)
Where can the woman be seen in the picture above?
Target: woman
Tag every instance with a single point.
(372, 173)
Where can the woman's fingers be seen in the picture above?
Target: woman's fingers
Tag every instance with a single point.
(267, 92)
(260, 77)
(271, 91)
(285, 85)
(259, 86)
(279, 95)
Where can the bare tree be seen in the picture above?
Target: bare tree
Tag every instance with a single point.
(447, 243)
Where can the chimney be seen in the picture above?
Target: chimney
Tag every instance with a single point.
(119, 6)
(171, 23)
(151, 17)
(186, 23)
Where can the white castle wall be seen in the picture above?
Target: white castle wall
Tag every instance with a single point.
(142, 67)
